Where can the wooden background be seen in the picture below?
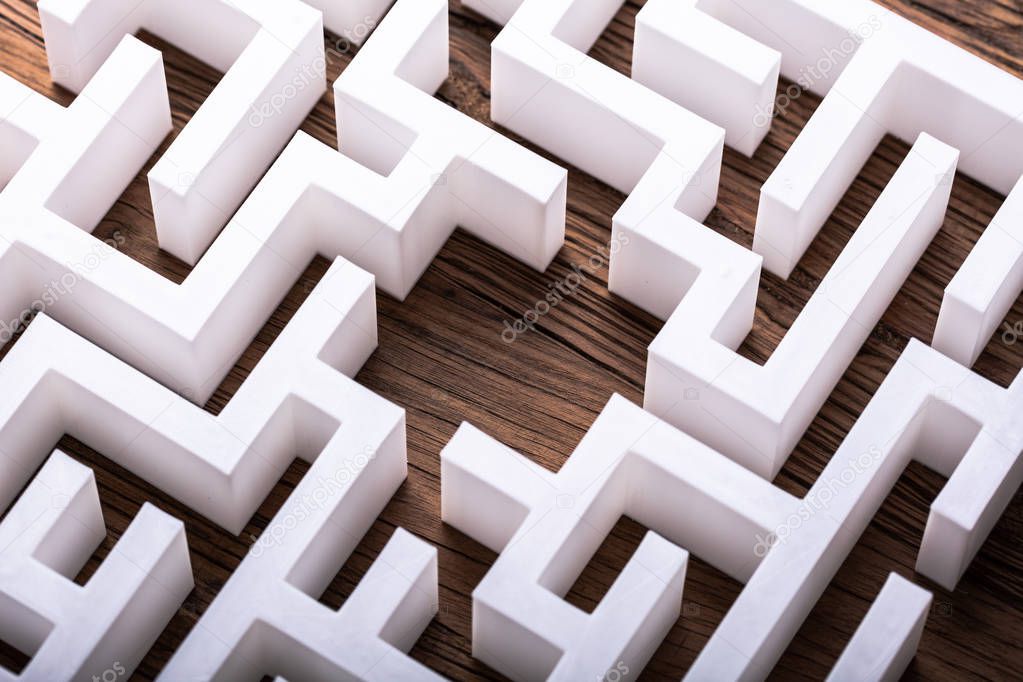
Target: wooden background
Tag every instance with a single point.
(441, 357)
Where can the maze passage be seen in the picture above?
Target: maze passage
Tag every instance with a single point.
(297, 402)
(313, 200)
(77, 631)
(263, 48)
(668, 160)
(695, 378)
(785, 549)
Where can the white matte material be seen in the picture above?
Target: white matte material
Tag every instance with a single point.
(903, 80)
(546, 88)
(272, 57)
(878, 72)
(708, 67)
(985, 287)
(884, 75)
(312, 201)
(80, 631)
(546, 526)
(267, 620)
(297, 402)
(443, 168)
(25, 118)
(353, 20)
(410, 170)
(697, 380)
(888, 636)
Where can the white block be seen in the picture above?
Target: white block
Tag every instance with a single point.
(903, 80)
(888, 636)
(708, 67)
(983, 290)
(79, 631)
(546, 88)
(108, 132)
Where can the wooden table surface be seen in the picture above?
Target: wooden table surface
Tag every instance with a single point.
(441, 357)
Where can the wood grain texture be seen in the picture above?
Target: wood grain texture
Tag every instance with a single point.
(441, 357)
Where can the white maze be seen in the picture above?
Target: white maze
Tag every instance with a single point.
(296, 402)
(313, 200)
(694, 499)
(266, 619)
(201, 180)
(122, 359)
(76, 631)
(547, 89)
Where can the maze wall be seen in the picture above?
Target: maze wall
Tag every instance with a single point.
(450, 474)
